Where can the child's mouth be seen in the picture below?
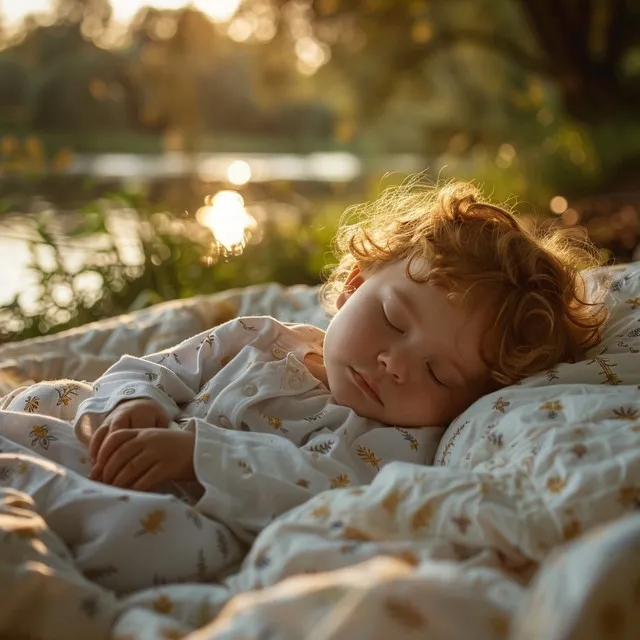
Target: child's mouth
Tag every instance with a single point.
(367, 386)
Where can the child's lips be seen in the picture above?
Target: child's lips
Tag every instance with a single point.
(367, 385)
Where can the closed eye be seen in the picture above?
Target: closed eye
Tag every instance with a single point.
(434, 376)
(389, 323)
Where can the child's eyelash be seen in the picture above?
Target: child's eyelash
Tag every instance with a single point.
(389, 323)
(434, 376)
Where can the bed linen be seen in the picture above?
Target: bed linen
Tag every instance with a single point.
(524, 527)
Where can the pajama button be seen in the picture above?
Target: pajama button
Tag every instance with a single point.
(250, 390)
(225, 422)
(278, 353)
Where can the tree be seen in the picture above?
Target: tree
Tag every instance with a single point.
(589, 49)
(543, 87)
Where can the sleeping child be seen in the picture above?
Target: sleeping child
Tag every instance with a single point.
(439, 298)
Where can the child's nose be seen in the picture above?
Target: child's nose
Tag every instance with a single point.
(394, 364)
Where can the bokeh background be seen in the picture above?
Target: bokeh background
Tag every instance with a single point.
(162, 149)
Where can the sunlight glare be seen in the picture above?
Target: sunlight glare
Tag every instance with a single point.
(310, 53)
(558, 204)
(240, 30)
(218, 10)
(228, 220)
(239, 172)
(13, 12)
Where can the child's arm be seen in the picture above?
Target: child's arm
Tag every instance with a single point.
(250, 478)
(169, 378)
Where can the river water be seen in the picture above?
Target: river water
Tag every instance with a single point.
(229, 168)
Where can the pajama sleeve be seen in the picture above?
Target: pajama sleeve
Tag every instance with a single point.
(171, 377)
(250, 478)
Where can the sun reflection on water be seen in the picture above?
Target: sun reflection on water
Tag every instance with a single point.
(231, 225)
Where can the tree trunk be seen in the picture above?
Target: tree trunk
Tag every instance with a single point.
(584, 42)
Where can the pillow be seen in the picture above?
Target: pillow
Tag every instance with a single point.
(566, 394)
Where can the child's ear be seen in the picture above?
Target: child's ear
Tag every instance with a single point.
(353, 281)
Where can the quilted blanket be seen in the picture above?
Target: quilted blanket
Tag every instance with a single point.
(524, 528)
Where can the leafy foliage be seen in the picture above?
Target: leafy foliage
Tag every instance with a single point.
(120, 253)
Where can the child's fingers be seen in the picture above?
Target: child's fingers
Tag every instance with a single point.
(134, 469)
(96, 440)
(122, 459)
(150, 479)
(112, 442)
(122, 419)
(96, 473)
(162, 420)
(116, 421)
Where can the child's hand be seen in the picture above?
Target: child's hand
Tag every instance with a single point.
(130, 414)
(140, 459)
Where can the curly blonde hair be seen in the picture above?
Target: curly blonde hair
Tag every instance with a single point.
(452, 238)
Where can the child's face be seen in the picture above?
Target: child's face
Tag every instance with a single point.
(400, 352)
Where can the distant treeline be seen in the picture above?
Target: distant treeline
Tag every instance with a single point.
(198, 82)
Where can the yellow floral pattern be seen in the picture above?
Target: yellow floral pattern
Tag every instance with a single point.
(410, 438)
(552, 408)
(395, 497)
(367, 455)
(451, 443)
(322, 447)
(31, 404)
(321, 512)
(626, 413)
(555, 484)
(40, 436)
(422, 517)
(341, 480)
(163, 604)
(606, 366)
(277, 424)
(245, 326)
(579, 450)
(500, 404)
(462, 523)
(153, 523)
(66, 394)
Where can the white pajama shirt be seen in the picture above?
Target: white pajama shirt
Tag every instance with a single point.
(268, 434)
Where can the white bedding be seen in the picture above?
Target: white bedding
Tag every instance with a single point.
(474, 547)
